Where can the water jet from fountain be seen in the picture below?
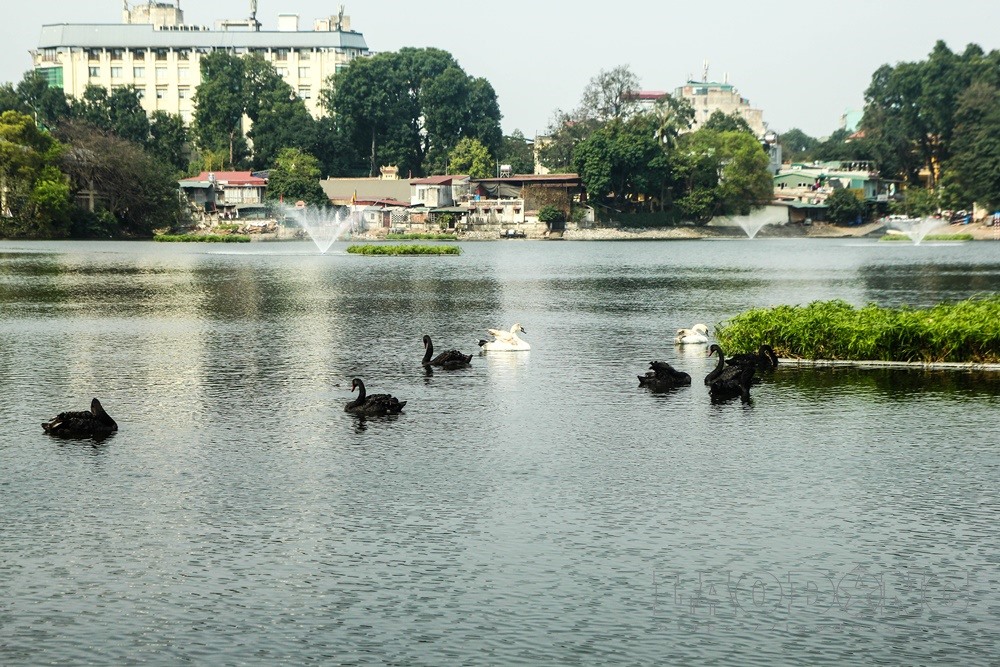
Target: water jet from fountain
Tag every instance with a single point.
(323, 224)
(753, 223)
(915, 228)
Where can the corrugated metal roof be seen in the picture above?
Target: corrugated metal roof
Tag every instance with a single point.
(136, 36)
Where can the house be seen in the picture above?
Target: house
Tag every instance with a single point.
(228, 194)
(804, 187)
(439, 191)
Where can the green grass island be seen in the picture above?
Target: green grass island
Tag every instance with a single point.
(963, 332)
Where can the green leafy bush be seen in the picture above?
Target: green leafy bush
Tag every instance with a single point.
(403, 249)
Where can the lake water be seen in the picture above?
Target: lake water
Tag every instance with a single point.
(536, 508)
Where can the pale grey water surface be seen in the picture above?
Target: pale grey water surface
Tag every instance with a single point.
(536, 508)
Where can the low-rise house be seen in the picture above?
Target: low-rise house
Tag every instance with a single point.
(226, 194)
(439, 191)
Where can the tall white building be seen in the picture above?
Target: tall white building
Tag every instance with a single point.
(155, 51)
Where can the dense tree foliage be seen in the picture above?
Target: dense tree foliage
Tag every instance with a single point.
(610, 95)
(910, 109)
(516, 151)
(220, 102)
(34, 194)
(845, 206)
(721, 122)
(797, 146)
(410, 109)
(471, 158)
(295, 177)
(136, 188)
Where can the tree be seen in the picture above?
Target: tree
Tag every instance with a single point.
(168, 139)
(139, 190)
(845, 206)
(556, 148)
(282, 122)
(622, 161)
(220, 103)
(797, 146)
(45, 104)
(120, 112)
(610, 95)
(411, 109)
(34, 195)
(295, 177)
(975, 164)
(470, 157)
(733, 122)
(516, 151)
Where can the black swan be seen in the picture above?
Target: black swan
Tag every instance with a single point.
(725, 373)
(93, 424)
(731, 386)
(449, 360)
(374, 405)
(663, 377)
(765, 359)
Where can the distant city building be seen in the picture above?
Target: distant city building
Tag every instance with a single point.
(647, 99)
(155, 51)
(707, 97)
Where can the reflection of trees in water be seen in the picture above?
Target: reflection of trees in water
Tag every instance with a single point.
(892, 384)
(922, 285)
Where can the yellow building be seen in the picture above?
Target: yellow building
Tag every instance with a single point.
(155, 51)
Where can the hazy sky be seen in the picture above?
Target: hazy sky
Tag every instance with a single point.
(803, 63)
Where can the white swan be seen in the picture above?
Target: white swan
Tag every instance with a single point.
(505, 341)
(696, 335)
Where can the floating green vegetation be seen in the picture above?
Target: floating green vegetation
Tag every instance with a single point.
(403, 249)
(929, 237)
(202, 238)
(421, 237)
(967, 331)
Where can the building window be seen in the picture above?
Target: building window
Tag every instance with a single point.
(281, 54)
(140, 93)
(161, 54)
(139, 72)
(183, 93)
(116, 54)
(183, 73)
(116, 72)
(305, 93)
(161, 73)
(183, 54)
(139, 54)
(93, 55)
(93, 72)
(303, 72)
(305, 54)
(282, 71)
(161, 92)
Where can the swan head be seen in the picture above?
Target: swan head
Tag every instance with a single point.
(427, 340)
(713, 349)
(700, 328)
(355, 383)
(517, 328)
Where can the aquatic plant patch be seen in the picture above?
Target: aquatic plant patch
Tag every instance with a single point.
(403, 249)
(202, 238)
(966, 331)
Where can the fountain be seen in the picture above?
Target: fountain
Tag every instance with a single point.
(753, 223)
(323, 224)
(915, 228)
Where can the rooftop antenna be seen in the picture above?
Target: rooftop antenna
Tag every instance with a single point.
(253, 15)
(704, 71)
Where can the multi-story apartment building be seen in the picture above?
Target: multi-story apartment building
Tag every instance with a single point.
(155, 51)
(707, 97)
